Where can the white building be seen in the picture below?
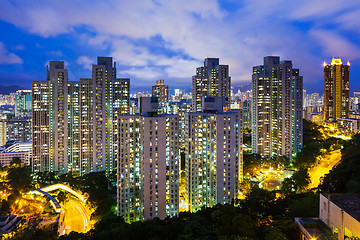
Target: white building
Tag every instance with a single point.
(341, 213)
(20, 150)
(338, 212)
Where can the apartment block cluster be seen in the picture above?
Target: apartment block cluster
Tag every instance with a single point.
(73, 121)
(94, 125)
(155, 141)
(15, 127)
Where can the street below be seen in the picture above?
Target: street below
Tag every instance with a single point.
(77, 218)
(327, 163)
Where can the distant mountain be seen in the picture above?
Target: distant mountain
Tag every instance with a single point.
(9, 89)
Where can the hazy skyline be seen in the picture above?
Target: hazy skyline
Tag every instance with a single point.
(153, 40)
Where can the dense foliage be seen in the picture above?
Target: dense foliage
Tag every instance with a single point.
(316, 143)
(345, 176)
(260, 216)
(297, 183)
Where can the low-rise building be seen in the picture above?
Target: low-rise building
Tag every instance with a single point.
(349, 125)
(15, 150)
(339, 218)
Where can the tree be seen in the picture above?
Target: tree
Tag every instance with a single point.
(345, 176)
(301, 179)
(275, 234)
(35, 234)
(296, 183)
(306, 205)
(96, 185)
(62, 197)
(112, 176)
(259, 203)
(15, 162)
(5, 208)
(20, 178)
(252, 161)
(288, 187)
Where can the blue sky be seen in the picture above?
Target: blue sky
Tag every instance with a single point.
(164, 39)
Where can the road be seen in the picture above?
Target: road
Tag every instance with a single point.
(76, 217)
(326, 164)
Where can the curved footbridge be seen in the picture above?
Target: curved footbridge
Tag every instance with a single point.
(54, 203)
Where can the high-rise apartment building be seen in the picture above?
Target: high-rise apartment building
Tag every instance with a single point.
(74, 121)
(148, 164)
(213, 152)
(246, 107)
(57, 76)
(211, 80)
(336, 90)
(277, 91)
(73, 127)
(22, 103)
(161, 91)
(49, 120)
(40, 127)
(19, 129)
(3, 131)
(86, 124)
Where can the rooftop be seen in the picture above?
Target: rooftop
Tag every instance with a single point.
(314, 228)
(349, 203)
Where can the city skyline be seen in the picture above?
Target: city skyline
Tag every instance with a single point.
(310, 34)
(207, 119)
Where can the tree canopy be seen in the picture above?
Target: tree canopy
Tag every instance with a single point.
(345, 176)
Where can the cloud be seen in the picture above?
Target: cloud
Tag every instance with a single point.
(336, 45)
(19, 47)
(85, 62)
(170, 39)
(8, 58)
(55, 53)
(144, 73)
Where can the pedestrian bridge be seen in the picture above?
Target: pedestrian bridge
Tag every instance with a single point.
(54, 203)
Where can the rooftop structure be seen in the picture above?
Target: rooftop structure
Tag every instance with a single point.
(339, 218)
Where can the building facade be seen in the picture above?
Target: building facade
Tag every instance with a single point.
(211, 80)
(40, 127)
(348, 125)
(22, 103)
(148, 165)
(339, 218)
(276, 108)
(336, 90)
(213, 152)
(73, 121)
(3, 128)
(19, 129)
(161, 91)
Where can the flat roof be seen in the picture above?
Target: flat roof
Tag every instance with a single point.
(350, 203)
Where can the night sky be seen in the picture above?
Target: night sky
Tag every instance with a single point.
(168, 39)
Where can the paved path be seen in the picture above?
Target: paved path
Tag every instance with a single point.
(326, 164)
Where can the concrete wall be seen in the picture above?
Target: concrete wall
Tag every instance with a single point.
(332, 215)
